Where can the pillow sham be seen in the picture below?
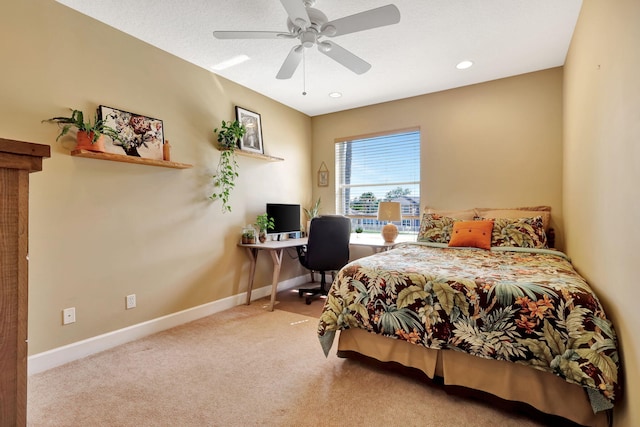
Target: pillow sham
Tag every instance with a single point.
(476, 234)
(519, 232)
(515, 213)
(435, 228)
(463, 214)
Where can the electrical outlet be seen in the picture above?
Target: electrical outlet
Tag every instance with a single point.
(68, 315)
(131, 301)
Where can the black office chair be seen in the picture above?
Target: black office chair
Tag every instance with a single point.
(326, 250)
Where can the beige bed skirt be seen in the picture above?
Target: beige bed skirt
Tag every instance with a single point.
(542, 390)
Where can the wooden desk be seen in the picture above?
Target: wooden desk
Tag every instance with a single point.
(275, 248)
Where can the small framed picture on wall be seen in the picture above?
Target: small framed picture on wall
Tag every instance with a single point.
(323, 176)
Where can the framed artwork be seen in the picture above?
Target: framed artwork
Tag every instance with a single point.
(252, 139)
(323, 176)
(141, 136)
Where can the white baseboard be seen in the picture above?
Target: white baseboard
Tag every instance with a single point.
(59, 356)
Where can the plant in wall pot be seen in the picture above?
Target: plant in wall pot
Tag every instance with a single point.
(89, 135)
(264, 223)
(224, 180)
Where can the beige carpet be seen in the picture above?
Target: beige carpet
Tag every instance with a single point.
(243, 367)
(290, 300)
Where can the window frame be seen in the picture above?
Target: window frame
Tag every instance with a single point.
(411, 215)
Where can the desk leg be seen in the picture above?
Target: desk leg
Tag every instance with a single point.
(253, 256)
(276, 256)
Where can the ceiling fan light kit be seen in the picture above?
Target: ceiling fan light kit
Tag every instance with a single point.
(309, 25)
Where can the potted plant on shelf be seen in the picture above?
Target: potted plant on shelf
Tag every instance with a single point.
(311, 213)
(89, 135)
(264, 223)
(224, 180)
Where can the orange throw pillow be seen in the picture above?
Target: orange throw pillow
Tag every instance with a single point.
(475, 234)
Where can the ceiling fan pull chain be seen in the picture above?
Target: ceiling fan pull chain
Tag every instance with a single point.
(304, 74)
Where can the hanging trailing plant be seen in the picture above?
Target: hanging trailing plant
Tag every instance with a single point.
(224, 179)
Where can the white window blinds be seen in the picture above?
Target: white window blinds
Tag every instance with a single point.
(380, 168)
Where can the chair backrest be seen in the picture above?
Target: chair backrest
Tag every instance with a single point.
(328, 245)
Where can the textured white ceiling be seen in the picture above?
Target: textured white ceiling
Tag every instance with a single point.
(417, 56)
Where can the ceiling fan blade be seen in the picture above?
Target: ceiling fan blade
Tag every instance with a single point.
(290, 63)
(297, 12)
(344, 57)
(374, 18)
(252, 35)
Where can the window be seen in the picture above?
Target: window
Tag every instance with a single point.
(379, 168)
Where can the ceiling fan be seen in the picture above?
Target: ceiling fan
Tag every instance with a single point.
(310, 25)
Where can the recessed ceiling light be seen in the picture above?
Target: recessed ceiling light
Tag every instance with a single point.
(335, 94)
(230, 62)
(464, 65)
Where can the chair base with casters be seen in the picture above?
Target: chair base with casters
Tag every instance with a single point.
(311, 293)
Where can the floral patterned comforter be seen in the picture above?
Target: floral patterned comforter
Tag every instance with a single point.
(525, 306)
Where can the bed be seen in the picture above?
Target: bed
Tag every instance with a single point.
(497, 311)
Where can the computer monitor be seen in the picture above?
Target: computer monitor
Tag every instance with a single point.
(286, 217)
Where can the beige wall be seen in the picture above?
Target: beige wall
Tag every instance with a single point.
(102, 230)
(602, 171)
(493, 144)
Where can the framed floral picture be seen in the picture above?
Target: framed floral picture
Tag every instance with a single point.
(141, 136)
(252, 139)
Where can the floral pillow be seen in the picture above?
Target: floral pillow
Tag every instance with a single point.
(519, 232)
(435, 228)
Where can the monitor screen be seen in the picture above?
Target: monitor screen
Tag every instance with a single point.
(286, 218)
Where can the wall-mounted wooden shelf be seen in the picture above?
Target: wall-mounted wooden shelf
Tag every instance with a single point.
(258, 156)
(129, 159)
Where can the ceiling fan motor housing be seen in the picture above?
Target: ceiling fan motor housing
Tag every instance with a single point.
(309, 35)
